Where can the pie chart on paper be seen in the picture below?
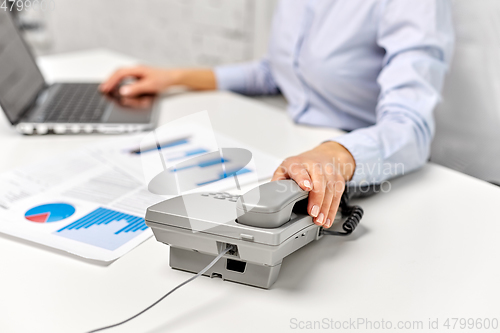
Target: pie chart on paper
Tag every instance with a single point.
(50, 213)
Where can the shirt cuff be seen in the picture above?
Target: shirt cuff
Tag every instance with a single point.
(231, 77)
(366, 155)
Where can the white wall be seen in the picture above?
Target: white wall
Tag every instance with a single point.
(163, 32)
(468, 120)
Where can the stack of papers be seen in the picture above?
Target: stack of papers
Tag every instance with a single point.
(92, 202)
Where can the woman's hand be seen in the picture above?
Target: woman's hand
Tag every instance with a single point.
(323, 171)
(155, 80)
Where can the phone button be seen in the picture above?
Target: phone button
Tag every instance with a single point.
(245, 237)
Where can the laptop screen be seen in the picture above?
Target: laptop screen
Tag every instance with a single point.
(20, 78)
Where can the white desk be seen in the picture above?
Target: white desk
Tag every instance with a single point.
(427, 249)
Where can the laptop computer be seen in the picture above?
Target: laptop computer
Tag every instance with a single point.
(35, 107)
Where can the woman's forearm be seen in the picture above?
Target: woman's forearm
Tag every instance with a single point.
(196, 79)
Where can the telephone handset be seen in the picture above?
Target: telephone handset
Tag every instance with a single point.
(278, 199)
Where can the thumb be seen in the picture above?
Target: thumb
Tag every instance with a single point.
(280, 174)
(138, 88)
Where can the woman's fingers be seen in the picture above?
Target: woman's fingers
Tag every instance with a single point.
(327, 202)
(290, 168)
(299, 173)
(338, 190)
(118, 76)
(325, 168)
(317, 194)
(313, 177)
(138, 88)
(280, 173)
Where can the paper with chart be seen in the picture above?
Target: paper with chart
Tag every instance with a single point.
(92, 202)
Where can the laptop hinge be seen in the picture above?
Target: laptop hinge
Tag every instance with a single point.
(26, 112)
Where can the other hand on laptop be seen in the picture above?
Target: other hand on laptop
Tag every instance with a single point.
(151, 80)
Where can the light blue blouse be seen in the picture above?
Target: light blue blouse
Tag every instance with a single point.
(372, 67)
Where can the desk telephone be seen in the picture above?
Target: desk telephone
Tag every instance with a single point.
(261, 227)
(241, 238)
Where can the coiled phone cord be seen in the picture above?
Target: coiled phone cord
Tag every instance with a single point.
(354, 215)
(171, 291)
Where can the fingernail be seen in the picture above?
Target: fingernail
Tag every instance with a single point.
(124, 90)
(320, 218)
(307, 184)
(315, 211)
(328, 223)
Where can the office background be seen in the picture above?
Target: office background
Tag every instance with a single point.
(212, 32)
(160, 32)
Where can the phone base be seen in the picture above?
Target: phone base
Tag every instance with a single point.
(229, 269)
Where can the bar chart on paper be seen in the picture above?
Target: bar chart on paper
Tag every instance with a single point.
(195, 162)
(224, 175)
(104, 228)
(173, 149)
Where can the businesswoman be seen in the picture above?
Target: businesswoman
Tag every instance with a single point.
(374, 68)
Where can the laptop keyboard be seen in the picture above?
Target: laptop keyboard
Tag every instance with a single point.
(74, 103)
